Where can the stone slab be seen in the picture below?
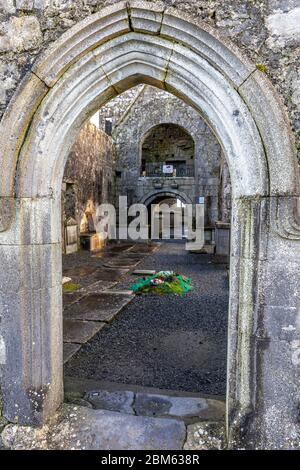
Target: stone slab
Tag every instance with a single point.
(81, 428)
(98, 307)
(121, 400)
(182, 407)
(107, 274)
(120, 248)
(105, 255)
(121, 263)
(69, 350)
(98, 286)
(144, 272)
(78, 272)
(125, 291)
(76, 331)
(143, 248)
(205, 436)
(72, 297)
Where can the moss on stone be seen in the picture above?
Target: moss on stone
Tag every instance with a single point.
(70, 287)
(262, 68)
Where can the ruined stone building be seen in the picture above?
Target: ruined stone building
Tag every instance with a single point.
(190, 101)
(149, 129)
(157, 129)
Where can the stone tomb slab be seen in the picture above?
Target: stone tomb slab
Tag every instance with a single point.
(118, 400)
(98, 286)
(77, 331)
(72, 297)
(140, 248)
(69, 350)
(205, 436)
(77, 272)
(120, 248)
(98, 306)
(144, 272)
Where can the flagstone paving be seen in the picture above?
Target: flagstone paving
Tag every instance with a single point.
(77, 331)
(102, 306)
(88, 308)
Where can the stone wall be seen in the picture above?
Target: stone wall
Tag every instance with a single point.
(89, 177)
(267, 31)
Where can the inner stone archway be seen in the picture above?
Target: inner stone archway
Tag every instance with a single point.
(102, 56)
(167, 149)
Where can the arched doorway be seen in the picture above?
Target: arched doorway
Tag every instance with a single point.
(175, 200)
(100, 57)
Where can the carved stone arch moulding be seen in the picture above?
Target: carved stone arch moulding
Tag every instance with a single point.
(119, 47)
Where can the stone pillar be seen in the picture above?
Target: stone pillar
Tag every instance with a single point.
(31, 311)
(264, 325)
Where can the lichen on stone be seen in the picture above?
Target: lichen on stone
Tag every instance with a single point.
(262, 68)
(69, 287)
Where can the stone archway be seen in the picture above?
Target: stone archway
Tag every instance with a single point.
(151, 196)
(123, 45)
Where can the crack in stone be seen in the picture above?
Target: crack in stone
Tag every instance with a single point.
(162, 20)
(128, 7)
(168, 64)
(109, 80)
(41, 79)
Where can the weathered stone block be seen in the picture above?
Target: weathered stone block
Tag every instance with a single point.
(110, 22)
(205, 436)
(284, 29)
(274, 128)
(185, 64)
(7, 208)
(121, 401)
(146, 17)
(250, 228)
(14, 125)
(98, 307)
(280, 323)
(30, 267)
(132, 56)
(197, 36)
(82, 428)
(69, 350)
(20, 34)
(25, 5)
(148, 404)
(32, 382)
(277, 291)
(76, 331)
(7, 6)
(275, 425)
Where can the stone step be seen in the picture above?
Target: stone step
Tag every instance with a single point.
(82, 428)
(156, 404)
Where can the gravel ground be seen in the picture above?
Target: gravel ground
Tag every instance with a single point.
(165, 342)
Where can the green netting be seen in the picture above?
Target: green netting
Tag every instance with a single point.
(164, 282)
